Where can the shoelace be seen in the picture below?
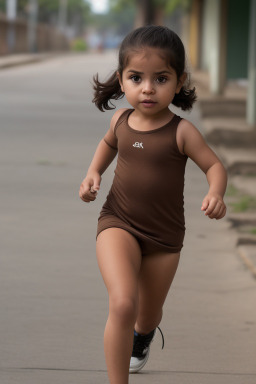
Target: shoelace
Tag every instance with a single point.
(162, 336)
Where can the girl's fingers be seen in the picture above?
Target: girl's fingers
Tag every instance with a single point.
(218, 212)
(94, 190)
(205, 205)
(214, 210)
(210, 208)
(88, 196)
(222, 213)
(89, 188)
(86, 193)
(96, 183)
(87, 199)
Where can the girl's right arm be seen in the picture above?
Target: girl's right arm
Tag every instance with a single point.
(103, 157)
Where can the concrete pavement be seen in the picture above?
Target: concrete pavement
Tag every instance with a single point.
(53, 301)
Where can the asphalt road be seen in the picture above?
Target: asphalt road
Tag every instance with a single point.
(53, 303)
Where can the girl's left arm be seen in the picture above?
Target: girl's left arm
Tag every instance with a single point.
(213, 203)
(191, 143)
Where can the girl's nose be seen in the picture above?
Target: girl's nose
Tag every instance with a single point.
(148, 88)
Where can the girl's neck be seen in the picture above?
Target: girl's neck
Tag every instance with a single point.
(146, 123)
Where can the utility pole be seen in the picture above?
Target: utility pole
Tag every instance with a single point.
(63, 10)
(11, 12)
(32, 24)
(251, 98)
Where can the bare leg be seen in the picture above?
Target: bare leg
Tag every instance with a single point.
(156, 276)
(119, 259)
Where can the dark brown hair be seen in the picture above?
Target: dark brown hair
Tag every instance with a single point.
(150, 36)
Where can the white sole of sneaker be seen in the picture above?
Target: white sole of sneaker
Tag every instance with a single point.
(138, 368)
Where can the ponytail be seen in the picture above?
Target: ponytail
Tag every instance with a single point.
(105, 91)
(185, 98)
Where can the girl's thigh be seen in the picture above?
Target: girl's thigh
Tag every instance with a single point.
(155, 279)
(119, 259)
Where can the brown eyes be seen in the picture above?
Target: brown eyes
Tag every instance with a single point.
(135, 78)
(159, 80)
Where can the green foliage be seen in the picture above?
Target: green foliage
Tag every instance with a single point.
(169, 6)
(245, 203)
(253, 231)
(118, 5)
(239, 201)
(232, 190)
(79, 45)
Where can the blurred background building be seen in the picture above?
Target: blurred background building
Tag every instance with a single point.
(222, 41)
(219, 35)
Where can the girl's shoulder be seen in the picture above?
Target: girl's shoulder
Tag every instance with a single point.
(116, 117)
(186, 132)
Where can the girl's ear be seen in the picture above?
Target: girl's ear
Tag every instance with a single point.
(120, 80)
(181, 81)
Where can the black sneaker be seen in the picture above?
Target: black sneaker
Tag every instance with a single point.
(140, 352)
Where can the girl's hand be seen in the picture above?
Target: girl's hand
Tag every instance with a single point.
(90, 187)
(214, 206)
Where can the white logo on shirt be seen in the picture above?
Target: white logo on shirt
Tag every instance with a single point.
(138, 145)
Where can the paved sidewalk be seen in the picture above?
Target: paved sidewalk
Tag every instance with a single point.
(52, 298)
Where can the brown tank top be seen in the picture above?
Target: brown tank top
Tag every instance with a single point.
(147, 190)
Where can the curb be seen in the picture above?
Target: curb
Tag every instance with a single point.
(238, 161)
(244, 252)
(11, 64)
(18, 60)
(239, 219)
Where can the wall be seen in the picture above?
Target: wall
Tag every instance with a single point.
(48, 39)
(237, 39)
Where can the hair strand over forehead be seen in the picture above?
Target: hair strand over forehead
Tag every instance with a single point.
(155, 37)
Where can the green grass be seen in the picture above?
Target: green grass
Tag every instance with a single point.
(239, 201)
(244, 203)
(232, 191)
(253, 231)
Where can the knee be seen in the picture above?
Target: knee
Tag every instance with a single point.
(123, 309)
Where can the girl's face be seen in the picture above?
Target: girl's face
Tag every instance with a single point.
(149, 83)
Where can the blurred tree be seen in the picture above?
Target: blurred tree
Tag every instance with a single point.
(150, 11)
(120, 22)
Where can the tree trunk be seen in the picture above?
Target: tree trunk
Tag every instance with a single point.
(145, 13)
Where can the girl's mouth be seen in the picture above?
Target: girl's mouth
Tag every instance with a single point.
(148, 103)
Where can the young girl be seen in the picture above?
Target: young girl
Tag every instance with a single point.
(141, 226)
